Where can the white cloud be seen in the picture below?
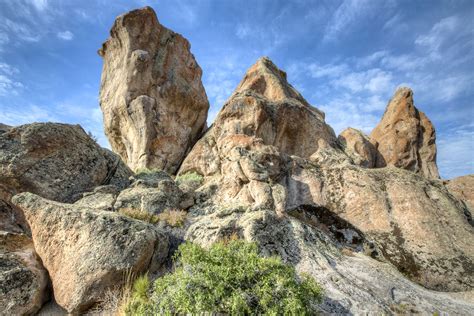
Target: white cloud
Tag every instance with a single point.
(8, 85)
(66, 35)
(439, 33)
(40, 5)
(330, 70)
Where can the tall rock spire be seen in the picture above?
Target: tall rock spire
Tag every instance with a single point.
(405, 137)
(151, 95)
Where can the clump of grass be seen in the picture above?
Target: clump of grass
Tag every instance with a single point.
(173, 217)
(232, 279)
(140, 215)
(189, 178)
(146, 171)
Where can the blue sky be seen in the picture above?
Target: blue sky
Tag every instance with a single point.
(345, 57)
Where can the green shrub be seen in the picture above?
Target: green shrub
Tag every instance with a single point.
(231, 278)
(190, 177)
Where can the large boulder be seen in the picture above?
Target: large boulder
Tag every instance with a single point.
(23, 280)
(56, 161)
(89, 251)
(463, 188)
(405, 137)
(153, 101)
(359, 147)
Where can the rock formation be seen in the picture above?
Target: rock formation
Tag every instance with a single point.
(56, 161)
(264, 109)
(88, 251)
(246, 165)
(463, 189)
(405, 137)
(23, 280)
(151, 95)
(359, 147)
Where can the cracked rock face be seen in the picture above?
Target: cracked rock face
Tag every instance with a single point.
(405, 137)
(56, 161)
(151, 95)
(463, 188)
(88, 251)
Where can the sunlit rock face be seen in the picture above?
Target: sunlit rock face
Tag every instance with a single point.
(405, 137)
(151, 94)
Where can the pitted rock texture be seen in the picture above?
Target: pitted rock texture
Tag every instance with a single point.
(56, 161)
(359, 147)
(405, 137)
(88, 251)
(23, 280)
(153, 101)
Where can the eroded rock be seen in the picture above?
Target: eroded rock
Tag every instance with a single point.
(359, 147)
(405, 137)
(151, 95)
(463, 188)
(88, 251)
(56, 161)
(23, 280)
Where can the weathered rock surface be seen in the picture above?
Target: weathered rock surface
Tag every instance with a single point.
(264, 108)
(358, 146)
(88, 251)
(23, 279)
(311, 211)
(405, 137)
(56, 161)
(152, 192)
(151, 95)
(463, 189)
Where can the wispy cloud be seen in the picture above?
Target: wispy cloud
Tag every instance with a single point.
(40, 5)
(66, 35)
(8, 84)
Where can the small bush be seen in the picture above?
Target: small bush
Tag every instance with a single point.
(140, 215)
(173, 217)
(190, 177)
(229, 278)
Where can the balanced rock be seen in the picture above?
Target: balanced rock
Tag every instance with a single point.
(23, 280)
(463, 188)
(153, 101)
(88, 251)
(358, 146)
(405, 137)
(56, 161)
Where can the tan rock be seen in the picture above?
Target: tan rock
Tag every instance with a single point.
(86, 252)
(23, 279)
(56, 161)
(405, 137)
(359, 147)
(151, 95)
(263, 109)
(463, 188)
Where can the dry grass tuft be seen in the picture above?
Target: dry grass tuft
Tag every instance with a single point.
(173, 217)
(140, 215)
